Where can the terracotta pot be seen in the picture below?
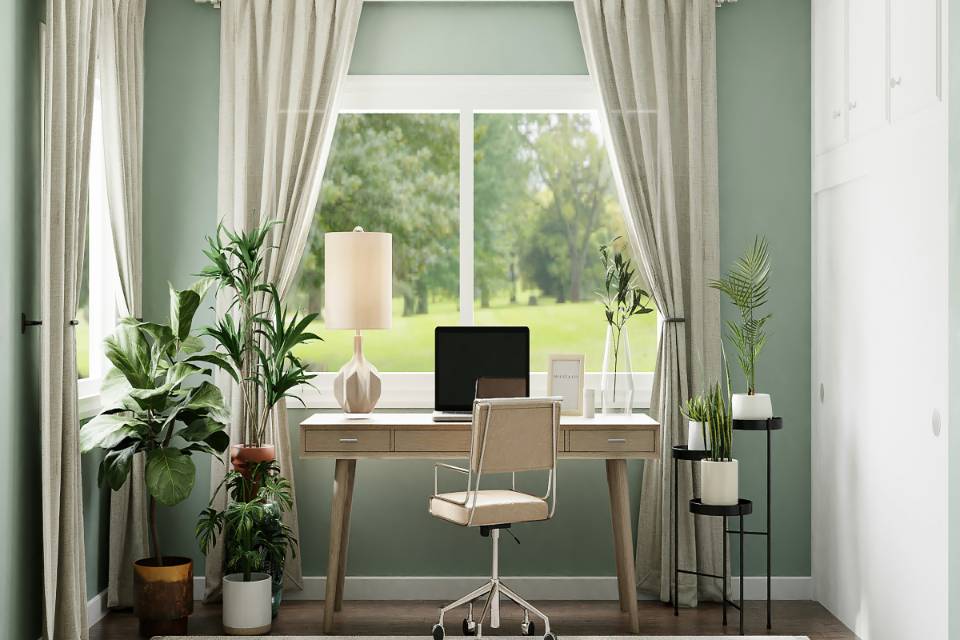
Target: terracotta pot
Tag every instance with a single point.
(163, 595)
(241, 455)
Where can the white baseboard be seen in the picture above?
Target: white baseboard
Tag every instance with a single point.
(532, 588)
(97, 608)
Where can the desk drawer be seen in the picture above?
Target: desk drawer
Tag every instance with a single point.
(318, 440)
(612, 440)
(440, 440)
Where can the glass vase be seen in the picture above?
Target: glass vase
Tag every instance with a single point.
(616, 378)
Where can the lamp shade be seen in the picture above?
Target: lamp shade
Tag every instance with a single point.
(358, 280)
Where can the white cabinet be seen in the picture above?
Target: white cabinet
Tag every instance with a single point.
(866, 66)
(830, 72)
(915, 46)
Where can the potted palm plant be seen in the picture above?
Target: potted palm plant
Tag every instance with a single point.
(719, 471)
(695, 410)
(256, 336)
(747, 287)
(622, 298)
(256, 543)
(159, 401)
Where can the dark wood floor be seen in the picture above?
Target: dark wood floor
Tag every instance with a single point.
(566, 618)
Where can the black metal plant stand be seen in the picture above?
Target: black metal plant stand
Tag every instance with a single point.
(680, 452)
(768, 425)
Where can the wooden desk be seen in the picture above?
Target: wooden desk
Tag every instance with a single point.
(614, 439)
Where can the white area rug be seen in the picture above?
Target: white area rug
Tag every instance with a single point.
(496, 637)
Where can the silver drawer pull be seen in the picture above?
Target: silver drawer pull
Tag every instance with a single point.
(349, 440)
(616, 440)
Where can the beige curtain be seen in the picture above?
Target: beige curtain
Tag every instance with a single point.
(655, 64)
(69, 54)
(120, 71)
(281, 68)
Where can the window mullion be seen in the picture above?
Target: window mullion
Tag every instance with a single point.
(466, 216)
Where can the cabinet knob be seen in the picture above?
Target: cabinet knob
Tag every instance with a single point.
(895, 81)
(852, 105)
(837, 113)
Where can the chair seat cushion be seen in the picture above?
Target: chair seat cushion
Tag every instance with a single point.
(494, 506)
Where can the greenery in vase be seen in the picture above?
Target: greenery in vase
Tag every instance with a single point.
(256, 538)
(621, 296)
(257, 335)
(159, 400)
(720, 421)
(747, 287)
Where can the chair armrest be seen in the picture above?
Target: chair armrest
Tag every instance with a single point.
(437, 466)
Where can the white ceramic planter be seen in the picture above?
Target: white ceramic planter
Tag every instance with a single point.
(246, 605)
(755, 407)
(695, 436)
(719, 482)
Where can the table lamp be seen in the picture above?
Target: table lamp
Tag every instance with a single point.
(358, 294)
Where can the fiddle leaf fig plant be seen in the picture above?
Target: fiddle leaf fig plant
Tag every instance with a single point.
(158, 400)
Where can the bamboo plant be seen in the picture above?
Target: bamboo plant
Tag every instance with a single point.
(257, 335)
(747, 287)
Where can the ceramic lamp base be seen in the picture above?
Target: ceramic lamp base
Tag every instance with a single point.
(357, 385)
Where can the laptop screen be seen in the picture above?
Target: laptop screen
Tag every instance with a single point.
(464, 354)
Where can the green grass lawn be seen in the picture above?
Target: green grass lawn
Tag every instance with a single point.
(554, 328)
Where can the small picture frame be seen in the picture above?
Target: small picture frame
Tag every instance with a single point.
(565, 379)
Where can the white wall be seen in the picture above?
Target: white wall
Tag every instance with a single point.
(879, 325)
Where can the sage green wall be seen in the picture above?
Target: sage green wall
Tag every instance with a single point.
(763, 60)
(953, 424)
(20, 514)
(763, 78)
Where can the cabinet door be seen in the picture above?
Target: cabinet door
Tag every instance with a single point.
(914, 55)
(867, 52)
(830, 74)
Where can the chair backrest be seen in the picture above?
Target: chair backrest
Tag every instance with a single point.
(511, 435)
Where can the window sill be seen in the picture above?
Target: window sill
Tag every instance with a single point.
(415, 390)
(88, 397)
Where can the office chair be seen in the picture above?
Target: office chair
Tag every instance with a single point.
(508, 435)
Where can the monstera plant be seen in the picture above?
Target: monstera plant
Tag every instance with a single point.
(158, 401)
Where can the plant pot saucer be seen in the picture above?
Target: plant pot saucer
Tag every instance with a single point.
(742, 508)
(770, 424)
(681, 452)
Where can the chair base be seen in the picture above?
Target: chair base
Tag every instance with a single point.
(494, 589)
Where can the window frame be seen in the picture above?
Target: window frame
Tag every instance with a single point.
(465, 96)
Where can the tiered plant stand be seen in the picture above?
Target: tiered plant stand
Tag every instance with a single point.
(745, 507)
(769, 425)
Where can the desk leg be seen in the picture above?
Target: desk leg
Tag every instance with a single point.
(623, 538)
(339, 513)
(345, 536)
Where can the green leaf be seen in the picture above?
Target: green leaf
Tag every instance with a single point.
(180, 372)
(201, 429)
(115, 467)
(193, 344)
(183, 306)
(169, 475)
(217, 360)
(108, 430)
(114, 388)
(152, 399)
(207, 398)
(128, 350)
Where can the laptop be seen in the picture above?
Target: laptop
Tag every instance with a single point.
(471, 362)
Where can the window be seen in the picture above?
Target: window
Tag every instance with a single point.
(97, 307)
(498, 192)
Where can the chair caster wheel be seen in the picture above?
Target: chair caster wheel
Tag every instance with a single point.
(528, 629)
(469, 627)
(437, 632)
(550, 635)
